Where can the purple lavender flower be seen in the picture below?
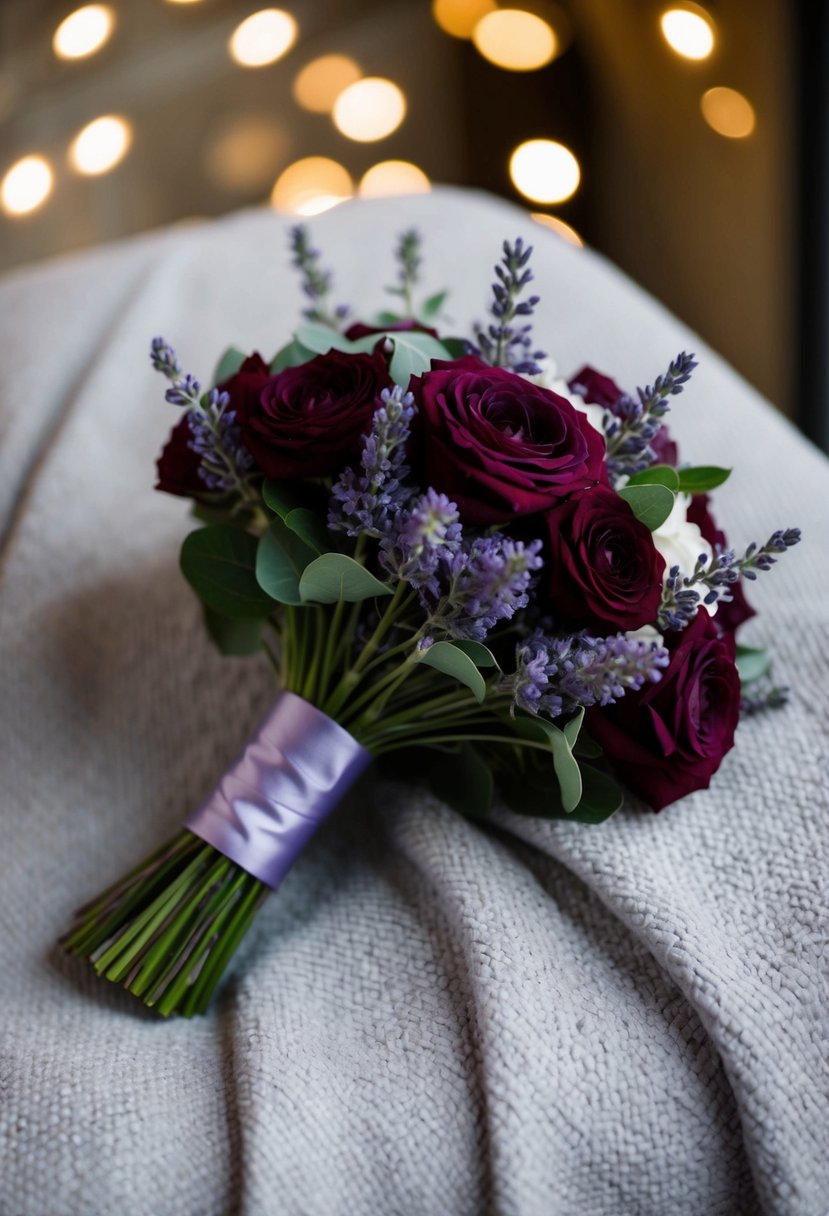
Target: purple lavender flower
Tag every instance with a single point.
(488, 581)
(164, 359)
(635, 421)
(501, 344)
(422, 538)
(368, 502)
(557, 675)
(316, 283)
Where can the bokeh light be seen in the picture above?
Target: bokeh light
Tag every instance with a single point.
(26, 185)
(689, 31)
(393, 177)
(369, 109)
(728, 112)
(321, 81)
(101, 145)
(459, 17)
(514, 39)
(84, 31)
(565, 231)
(244, 153)
(263, 38)
(544, 171)
(312, 185)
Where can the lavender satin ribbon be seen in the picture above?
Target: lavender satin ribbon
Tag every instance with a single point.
(269, 803)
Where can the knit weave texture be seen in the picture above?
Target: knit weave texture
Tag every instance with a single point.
(431, 1017)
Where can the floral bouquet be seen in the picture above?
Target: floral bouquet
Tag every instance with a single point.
(448, 552)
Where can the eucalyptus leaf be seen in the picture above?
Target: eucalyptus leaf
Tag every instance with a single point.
(601, 796)
(431, 307)
(281, 497)
(309, 528)
(322, 338)
(456, 348)
(334, 576)
(571, 730)
(412, 352)
(480, 655)
(239, 637)
(651, 504)
(657, 474)
(219, 563)
(229, 364)
(752, 664)
(281, 559)
(565, 764)
(586, 748)
(387, 318)
(449, 659)
(702, 478)
(290, 356)
(462, 779)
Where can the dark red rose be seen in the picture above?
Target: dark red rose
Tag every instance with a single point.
(360, 330)
(500, 446)
(664, 448)
(729, 615)
(307, 420)
(668, 739)
(596, 388)
(604, 569)
(178, 464)
(245, 386)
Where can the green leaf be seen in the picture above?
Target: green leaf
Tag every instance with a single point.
(456, 348)
(462, 779)
(387, 318)
(219, 563)
(565, 763)
(240, 637)
(334, 576)
(704, 477)
(656, 475)
(602, 796)
(571, 730)
(412, 352)
(309, 528)
(752, 664)
(322, 338)
(290, 356)
(206, 514)
(587, 748)
(281, 559)
(651, 504)
(431, 307)
(229, 364)
(281, 497)
(451, 661)
(480, 655)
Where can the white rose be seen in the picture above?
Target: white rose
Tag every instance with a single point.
(681, 543)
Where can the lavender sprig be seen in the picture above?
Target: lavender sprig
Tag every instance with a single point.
(502, 344)
(369, 502)
(718, 574)
(225, 463)
(488, 581)
(409, 260)
(316, 283)
(423, 537)
(761, 696)
(634, 422)
(558, 675)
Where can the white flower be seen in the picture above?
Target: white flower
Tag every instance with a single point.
(681, 543)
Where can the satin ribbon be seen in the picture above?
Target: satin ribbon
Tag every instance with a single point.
(290, 776)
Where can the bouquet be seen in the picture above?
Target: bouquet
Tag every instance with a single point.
(449, 555)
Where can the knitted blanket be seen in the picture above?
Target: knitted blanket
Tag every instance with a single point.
(431, 1017)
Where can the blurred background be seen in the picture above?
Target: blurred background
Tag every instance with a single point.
(687, 143)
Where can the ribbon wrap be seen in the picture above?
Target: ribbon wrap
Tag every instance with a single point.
(290, 776)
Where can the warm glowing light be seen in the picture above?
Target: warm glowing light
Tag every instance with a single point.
(514, 39)
(369, 109)
(544, 171)
(321, 81)
(84, 31)
(728, 112)
(459, 17)
(559, 227)
(312, 185)
(183, 1)
(263, 38)
(245, 153)
(688, 31)
(394, 177)
(26, 185)
(101, 145)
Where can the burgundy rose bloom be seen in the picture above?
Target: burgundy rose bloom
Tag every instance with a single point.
(307, 420)
(604, 570)
(178, 464)
(596, 388)
(245, 386)
(729, 615)
(359, 330)
(500, 446)
(668, 739)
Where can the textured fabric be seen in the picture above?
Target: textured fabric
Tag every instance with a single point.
(430, 1018)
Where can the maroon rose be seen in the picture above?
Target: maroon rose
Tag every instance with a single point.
(307, 420)
(360, 330)
(595, 387)
(245, 385)
(604, 569)
(178, 465)
(500, 446)
(731, 614)
(668, 739)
